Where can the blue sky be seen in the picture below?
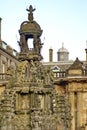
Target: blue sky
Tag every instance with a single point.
(61, 21)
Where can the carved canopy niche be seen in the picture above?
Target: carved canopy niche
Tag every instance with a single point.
(22, 101)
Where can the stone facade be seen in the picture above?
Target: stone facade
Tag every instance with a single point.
(36, 95)
(8, 57)
(74, 84)
(28, 100)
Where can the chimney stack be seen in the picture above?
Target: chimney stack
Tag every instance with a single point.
(0, 30)
(86, 54)
(50, 55)
(86, 57)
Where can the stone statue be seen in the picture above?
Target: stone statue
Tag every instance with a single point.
(36, 44)
(23, 44)
(40, 45)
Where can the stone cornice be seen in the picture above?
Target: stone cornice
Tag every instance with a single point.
(71, 79)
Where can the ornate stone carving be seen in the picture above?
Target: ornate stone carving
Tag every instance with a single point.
(62, 108)
(22, 71)
(31, 10)
(27, 104)
(23, 44)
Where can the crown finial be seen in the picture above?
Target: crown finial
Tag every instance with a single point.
(30, 15)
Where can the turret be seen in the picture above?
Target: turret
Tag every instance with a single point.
(62, 54)
(86, 57)
(30, 30)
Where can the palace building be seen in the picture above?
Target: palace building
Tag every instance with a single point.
(36, 95)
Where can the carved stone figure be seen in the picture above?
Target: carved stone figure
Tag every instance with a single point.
(23, 44)
(36, 44)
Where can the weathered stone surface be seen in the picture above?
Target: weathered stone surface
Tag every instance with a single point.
(26, 102)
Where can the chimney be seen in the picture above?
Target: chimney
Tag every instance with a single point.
(86, 57)
(0, 30)
(50, 55)
(0, 27)
(86, 54)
